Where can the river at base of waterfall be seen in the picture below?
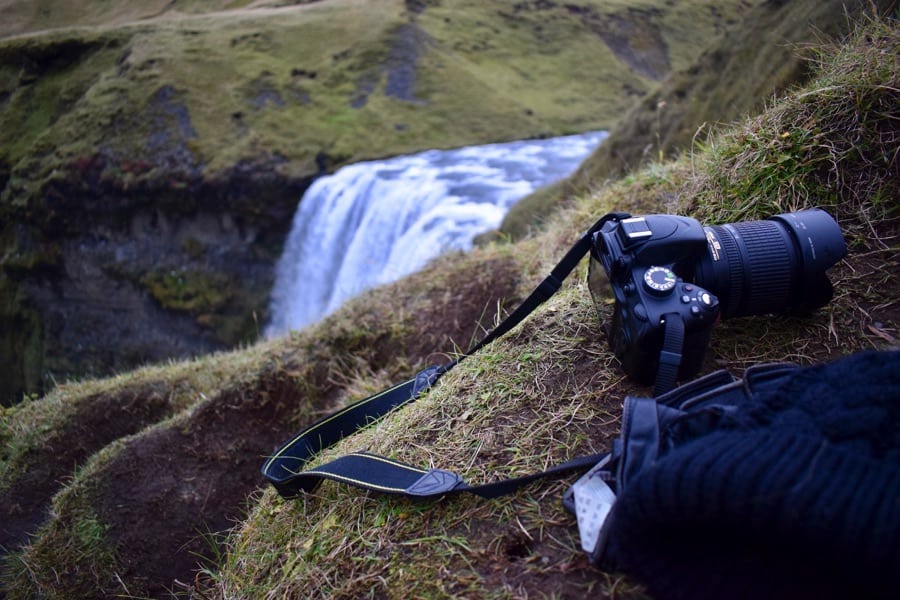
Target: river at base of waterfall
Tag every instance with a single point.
(374, 222)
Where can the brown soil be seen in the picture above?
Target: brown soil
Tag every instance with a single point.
(95, 422)
(168, 493)
(167, 489)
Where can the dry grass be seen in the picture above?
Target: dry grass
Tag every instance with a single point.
(535, 398)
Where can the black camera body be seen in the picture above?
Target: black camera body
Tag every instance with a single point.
(642, 257)
(672, 279)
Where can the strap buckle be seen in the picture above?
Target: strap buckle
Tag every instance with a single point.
(434, 482)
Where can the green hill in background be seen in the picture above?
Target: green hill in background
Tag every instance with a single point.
(746, 67)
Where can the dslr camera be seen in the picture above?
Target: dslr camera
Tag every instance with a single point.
(672, 279)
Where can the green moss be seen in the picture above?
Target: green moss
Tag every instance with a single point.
(54, 78)
(21, 345)
(189, 291)
(233, 329)
(193, 247)
(67, 541)
(214, 300)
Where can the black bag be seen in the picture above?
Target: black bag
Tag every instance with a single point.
(785, 484)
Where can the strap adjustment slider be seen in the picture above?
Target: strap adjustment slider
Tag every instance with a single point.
(434, 482)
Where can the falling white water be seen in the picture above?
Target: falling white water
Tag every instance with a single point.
(374, 222)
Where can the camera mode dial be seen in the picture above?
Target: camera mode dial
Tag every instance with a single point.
(659, 281)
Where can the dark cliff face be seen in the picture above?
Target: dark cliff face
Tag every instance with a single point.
(135, 277)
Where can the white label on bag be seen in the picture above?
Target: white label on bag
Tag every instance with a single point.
(593, 501)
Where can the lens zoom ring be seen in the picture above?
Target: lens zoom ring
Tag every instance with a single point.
(768, 261)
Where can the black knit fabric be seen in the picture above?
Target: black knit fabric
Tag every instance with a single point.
(797, 495)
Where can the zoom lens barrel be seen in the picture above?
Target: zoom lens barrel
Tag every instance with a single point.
(772, 266)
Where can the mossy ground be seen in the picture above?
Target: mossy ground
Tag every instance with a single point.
(143, 511)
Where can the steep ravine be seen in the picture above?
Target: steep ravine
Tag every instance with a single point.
(167, 275)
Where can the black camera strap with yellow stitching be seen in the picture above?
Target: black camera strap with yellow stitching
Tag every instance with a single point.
(284, 469)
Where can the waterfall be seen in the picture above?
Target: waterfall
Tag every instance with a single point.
(374, 222)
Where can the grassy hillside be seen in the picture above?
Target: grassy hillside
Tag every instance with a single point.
(119, 118)
(339, 77)
(172, 481)
(770, 50)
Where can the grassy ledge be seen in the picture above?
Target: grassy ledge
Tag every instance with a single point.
(551, 389)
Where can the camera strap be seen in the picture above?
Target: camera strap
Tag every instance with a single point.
(284, 469)
(670, 354)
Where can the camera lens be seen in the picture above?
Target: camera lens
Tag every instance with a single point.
(772, 266)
